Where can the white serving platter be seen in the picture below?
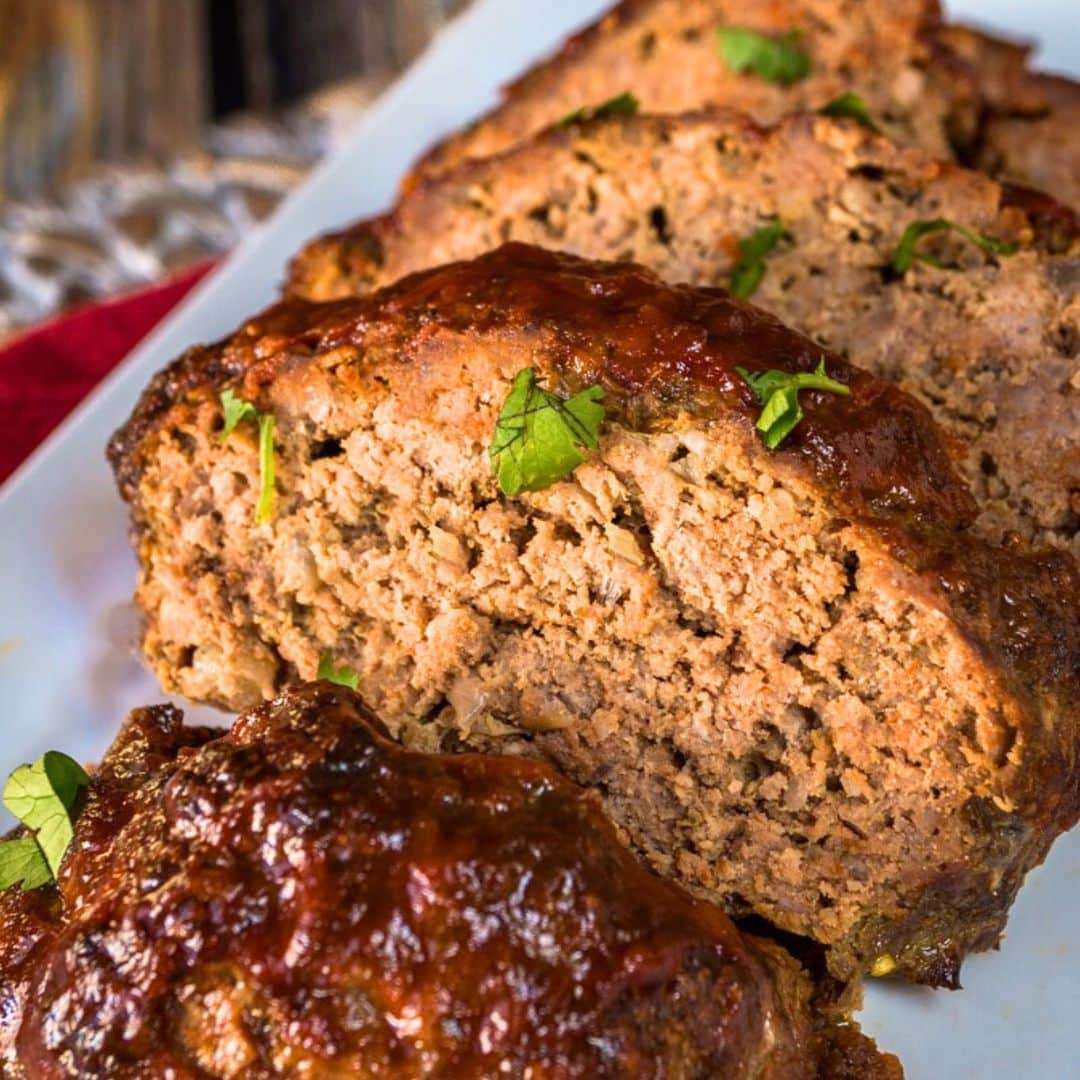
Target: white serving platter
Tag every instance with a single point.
(68, 671)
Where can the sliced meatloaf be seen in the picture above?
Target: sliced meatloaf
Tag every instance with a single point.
(667, 53)
(1030, 124)
(990, 343)
(798, 682)
(300, 897)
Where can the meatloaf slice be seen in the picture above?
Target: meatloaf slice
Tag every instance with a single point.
(301, 897)
(667, 53)
(989, 343)
(1028, 132)
(799, 684)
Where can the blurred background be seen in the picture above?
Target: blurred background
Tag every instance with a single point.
(141, 136)
(83, 81)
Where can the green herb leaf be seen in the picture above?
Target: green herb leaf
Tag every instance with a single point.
(750, 269)
(343, 676)
(265, 508)
(852, 106)
(907, 252)
(539, 437)
(41, 796)
(23, 864)
(777, 60)
(625, 104)
(778, 392)
(235, 409)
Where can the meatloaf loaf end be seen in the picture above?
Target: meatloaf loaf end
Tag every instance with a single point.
(300, 897)
(667, 53)
(989, 343)
(799, 684)
(1028, 132)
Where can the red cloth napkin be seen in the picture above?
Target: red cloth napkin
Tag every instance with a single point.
(45, 372)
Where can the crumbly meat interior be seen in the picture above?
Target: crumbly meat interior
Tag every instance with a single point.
(775, 711)
(989, 344)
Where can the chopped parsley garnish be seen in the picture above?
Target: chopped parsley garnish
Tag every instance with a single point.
(750, 269)
(343, 676)
(540, 437)
(778, 392)
(776, 60)
(907, 252)
(237, 410)
(852, 106)
(264, 509)
(624, 104)
(42, 796)
(22, 863)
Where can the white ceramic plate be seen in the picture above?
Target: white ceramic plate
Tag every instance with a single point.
(68, 671)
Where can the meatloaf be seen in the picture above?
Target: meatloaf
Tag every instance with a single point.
(667, 54)
(301, 897)
(988, 342)
(799, 683)
(1030, 123)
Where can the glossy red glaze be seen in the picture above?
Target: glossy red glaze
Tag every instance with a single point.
(301, 897)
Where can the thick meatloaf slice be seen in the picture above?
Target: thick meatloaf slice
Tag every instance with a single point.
(1030, 128)
(301, 897)
(667, 53)
(991, 344)
(800, 685)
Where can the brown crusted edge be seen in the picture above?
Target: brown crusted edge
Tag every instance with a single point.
(660, 350)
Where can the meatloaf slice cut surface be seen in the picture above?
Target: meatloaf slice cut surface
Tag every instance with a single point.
(668, 54)
(800, 685)
(301, 897)
(990, 343)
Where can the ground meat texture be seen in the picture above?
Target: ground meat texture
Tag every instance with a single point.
(666, 53)
(798, 682)
(301, 897)
(1030, 120)
(991, 344)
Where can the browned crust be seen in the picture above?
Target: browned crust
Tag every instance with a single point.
(179, 807)
(660, 350)
(1027, 131)
(655, 348)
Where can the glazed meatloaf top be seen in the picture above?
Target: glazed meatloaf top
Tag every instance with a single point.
(302, 897)
(986, 340)
(797, 680)
(667, 53)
